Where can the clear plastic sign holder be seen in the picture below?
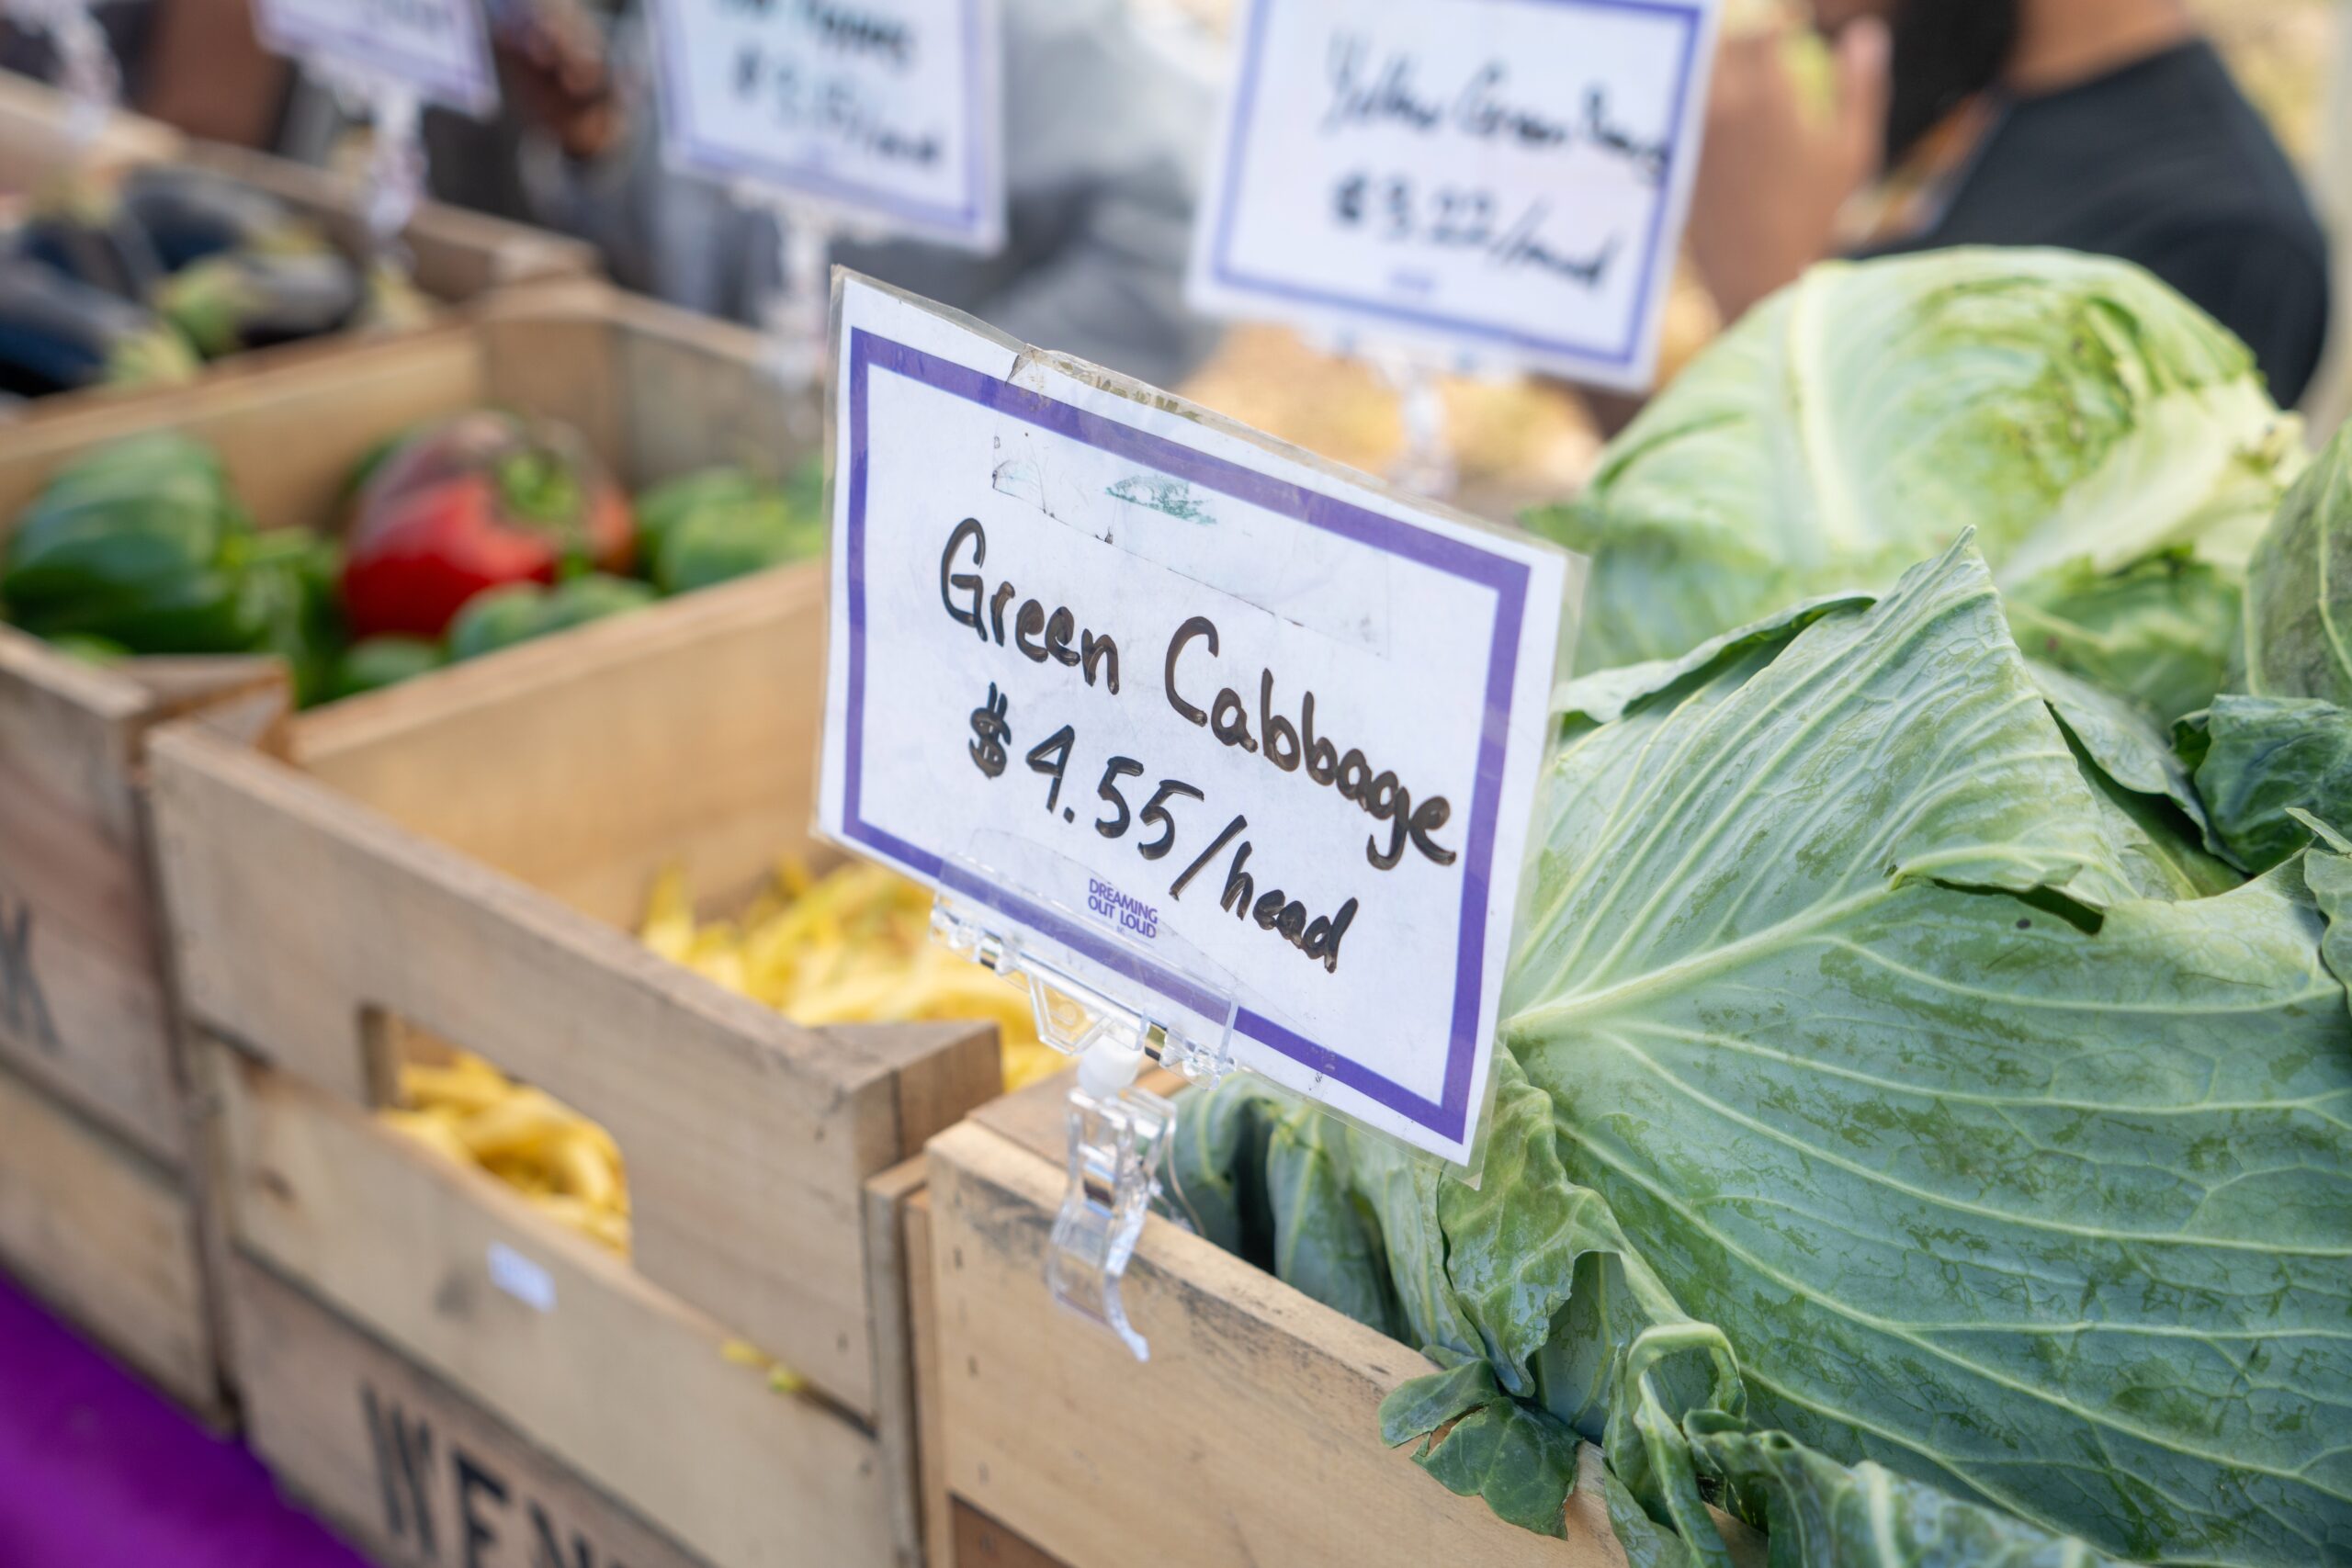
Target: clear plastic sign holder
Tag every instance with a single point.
(1115, 1127)
(86, 66)
(796, 316)
(1428, 466)
(396, 160)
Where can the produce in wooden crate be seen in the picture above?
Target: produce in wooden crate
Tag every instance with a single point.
(854, 946)
(482, 501)
(567, 1165)
(141, 547)
(466, 536)
(1924, 1115)
(130, 285)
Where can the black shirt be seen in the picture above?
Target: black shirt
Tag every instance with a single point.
(2163, 162)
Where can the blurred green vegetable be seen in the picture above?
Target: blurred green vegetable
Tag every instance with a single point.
(719, 524)
(141, 544)
(375, 662)
(504, 616)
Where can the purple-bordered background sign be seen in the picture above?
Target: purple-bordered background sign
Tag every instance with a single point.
(890, 116)
(1428, 641)
(1500, 182)
(437, 48)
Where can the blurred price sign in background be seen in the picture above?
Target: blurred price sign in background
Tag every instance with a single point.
(436, 49)
(884, 115)
(1239, 742)
(1493, 182)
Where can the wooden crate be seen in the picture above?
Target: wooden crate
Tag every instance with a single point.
(462, 857)
(100, 1195)
(1252, 1434)
(111, 1239)
(85, 1012)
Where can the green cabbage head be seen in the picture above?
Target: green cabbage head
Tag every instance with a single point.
(2113, 447)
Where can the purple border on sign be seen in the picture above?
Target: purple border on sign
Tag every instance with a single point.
(719, 163)
(470, 90)
(1508, 580)
(1689, 14)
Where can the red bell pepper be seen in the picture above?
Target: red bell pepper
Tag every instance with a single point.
(474, 504)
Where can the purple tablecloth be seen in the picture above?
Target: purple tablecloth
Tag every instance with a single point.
(97, 1471)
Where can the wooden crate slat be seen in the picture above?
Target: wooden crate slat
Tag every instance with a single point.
(891, 1267)
(584, 763)
(83, 1010)
(747, 1139)
(1250, 1437)
(107, 1238)
(615, 1377)
(404, 1466)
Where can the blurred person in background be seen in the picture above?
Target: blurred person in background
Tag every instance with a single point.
(2105, 125)
(1104, 122)
(1102, 134)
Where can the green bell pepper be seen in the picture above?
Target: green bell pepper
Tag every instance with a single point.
(718, 523)
(141, 545)
(373, 663)
(504, 616)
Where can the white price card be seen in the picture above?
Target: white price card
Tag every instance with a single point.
(888, 112)
(435, 48)
(1503, 181)
(1226, 733)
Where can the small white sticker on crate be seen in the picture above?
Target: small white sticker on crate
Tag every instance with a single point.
(519, 1277)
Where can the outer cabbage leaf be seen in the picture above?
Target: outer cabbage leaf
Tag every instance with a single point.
(2299, 587)
(1480, 1443)
(1212, 1163)
(1323, 1244)
(2161, 632)
(1993, 1171)
(2258, 759)
(1399, 1188)
(2327, 871)
(1823, 1514)
(2155, 817)
(2083, 416)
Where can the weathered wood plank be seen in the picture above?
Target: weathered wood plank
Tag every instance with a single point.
(545, 1330)
(82, 1010)
(410, 1470)
(1250, 1437)
(109, 1239)
(748, 1139)
(891, 1270)
(923, 1327)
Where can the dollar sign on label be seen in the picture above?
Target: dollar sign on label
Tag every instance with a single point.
(1347, 200)
(991, 733)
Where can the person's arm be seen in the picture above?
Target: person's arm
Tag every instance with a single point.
(208, 74)
(1774, 176)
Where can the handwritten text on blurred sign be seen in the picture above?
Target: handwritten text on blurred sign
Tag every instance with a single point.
(436, 47)
(887, 112)
(1501, 180)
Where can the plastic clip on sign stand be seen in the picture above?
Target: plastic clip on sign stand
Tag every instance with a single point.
(795, 315)
(1427, 466)
(1114, 1127)
(396, 163)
